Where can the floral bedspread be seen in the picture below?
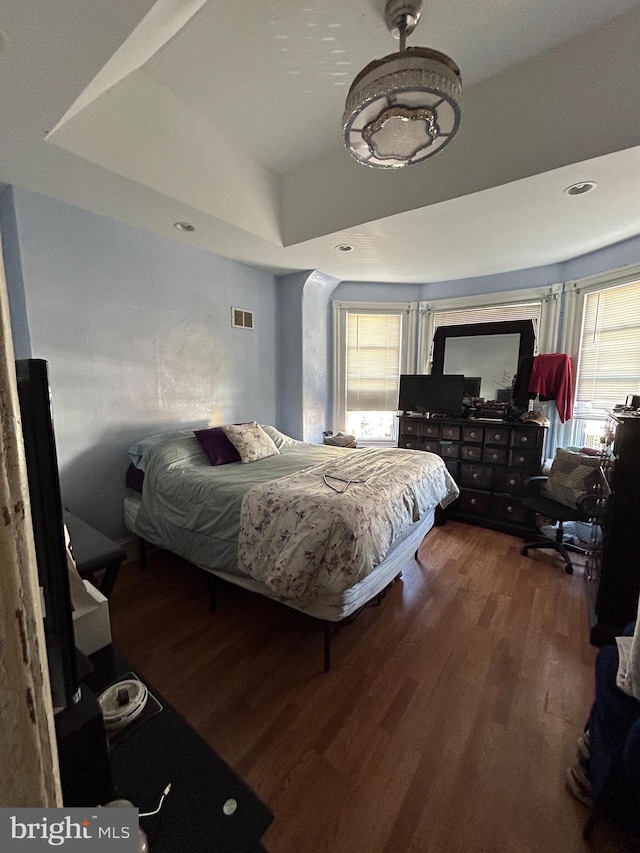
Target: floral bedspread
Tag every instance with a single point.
(325, 528)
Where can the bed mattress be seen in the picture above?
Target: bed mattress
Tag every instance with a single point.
(332, 607)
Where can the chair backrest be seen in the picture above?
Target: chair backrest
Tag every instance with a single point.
(573, 476)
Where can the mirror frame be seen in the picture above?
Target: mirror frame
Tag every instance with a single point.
(508, 327)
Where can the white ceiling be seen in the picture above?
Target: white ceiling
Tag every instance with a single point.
(228, 115)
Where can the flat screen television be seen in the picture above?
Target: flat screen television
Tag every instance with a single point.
(435, 394)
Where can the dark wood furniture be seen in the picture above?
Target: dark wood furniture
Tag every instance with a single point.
(94, 552)
(208, 807)
(489, 460)
(614, 567)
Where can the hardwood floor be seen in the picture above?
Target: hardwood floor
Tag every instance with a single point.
(445, 724)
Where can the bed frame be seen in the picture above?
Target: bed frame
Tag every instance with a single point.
(333, 610)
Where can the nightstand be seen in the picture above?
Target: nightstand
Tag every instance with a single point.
(94, 552)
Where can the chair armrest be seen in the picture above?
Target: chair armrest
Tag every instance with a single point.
(536, 478)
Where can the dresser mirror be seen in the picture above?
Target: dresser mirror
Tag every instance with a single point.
(491, 351)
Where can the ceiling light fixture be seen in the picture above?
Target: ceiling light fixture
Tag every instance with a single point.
(406, 107)
(184, 226)
(344, 247)
(581, 188)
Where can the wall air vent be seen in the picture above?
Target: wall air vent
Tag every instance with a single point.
(242, 319)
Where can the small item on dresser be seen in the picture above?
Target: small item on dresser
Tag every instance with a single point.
(341, 439)
(535, 417)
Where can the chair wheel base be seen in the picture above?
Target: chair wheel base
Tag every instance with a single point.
(568, 569)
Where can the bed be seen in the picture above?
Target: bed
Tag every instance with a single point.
(321, 529)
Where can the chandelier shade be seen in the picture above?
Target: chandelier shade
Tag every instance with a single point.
(403, 109)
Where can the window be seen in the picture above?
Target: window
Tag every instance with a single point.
(371, 346)
(609, 361)
(491, 314)
(606, 349)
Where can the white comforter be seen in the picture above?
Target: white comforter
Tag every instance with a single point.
(324, 529)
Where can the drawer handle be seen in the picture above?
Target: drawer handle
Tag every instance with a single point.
(512, 481)
(473, 501)
(475, 475)
(524, 439)
(509, 509)
(520, 458)
(497, 436)
(494, 456)
(473, 434)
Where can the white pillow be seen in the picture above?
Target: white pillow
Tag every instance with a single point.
(251, 441)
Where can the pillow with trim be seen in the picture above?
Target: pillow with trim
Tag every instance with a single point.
(217, 446)
(572, 477)
(251, 441)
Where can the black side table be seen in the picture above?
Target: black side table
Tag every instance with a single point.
(93, 551)
(209, 808)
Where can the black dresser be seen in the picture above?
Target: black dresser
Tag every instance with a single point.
(613, 576)
(489, 460)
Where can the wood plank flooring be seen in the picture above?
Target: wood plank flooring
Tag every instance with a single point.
(445, 724)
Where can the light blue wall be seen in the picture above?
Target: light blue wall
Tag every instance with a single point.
(303, 355)
(317, 368)
(137, 332)
(289, 300)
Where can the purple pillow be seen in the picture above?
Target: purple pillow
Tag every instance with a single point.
(134, 478)
(217, 446)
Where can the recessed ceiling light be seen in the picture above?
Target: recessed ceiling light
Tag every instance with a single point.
(344, 247)
(581, 188)
(184, 226)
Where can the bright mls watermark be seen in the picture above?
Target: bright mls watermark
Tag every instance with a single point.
(78, 829)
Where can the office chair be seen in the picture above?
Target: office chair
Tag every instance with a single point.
(569, 495)
(558, 513)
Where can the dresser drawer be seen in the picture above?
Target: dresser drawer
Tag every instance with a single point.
(476, 476)
(472, 434)
(450, 449)
(477, 503)
(409, 427)
(410, 442)
(524, 437)
(526, 459)
(431, 445)
(451, 433)
(471, 452)
(508, 509)
(511, 480)
(431, 430)
(497, 435)
(495, 455)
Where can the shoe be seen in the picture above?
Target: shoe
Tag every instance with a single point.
(583, 746)
(579, 784)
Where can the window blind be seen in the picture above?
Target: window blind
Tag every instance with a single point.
(373, 361)
(490, 314)
(609, 361)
